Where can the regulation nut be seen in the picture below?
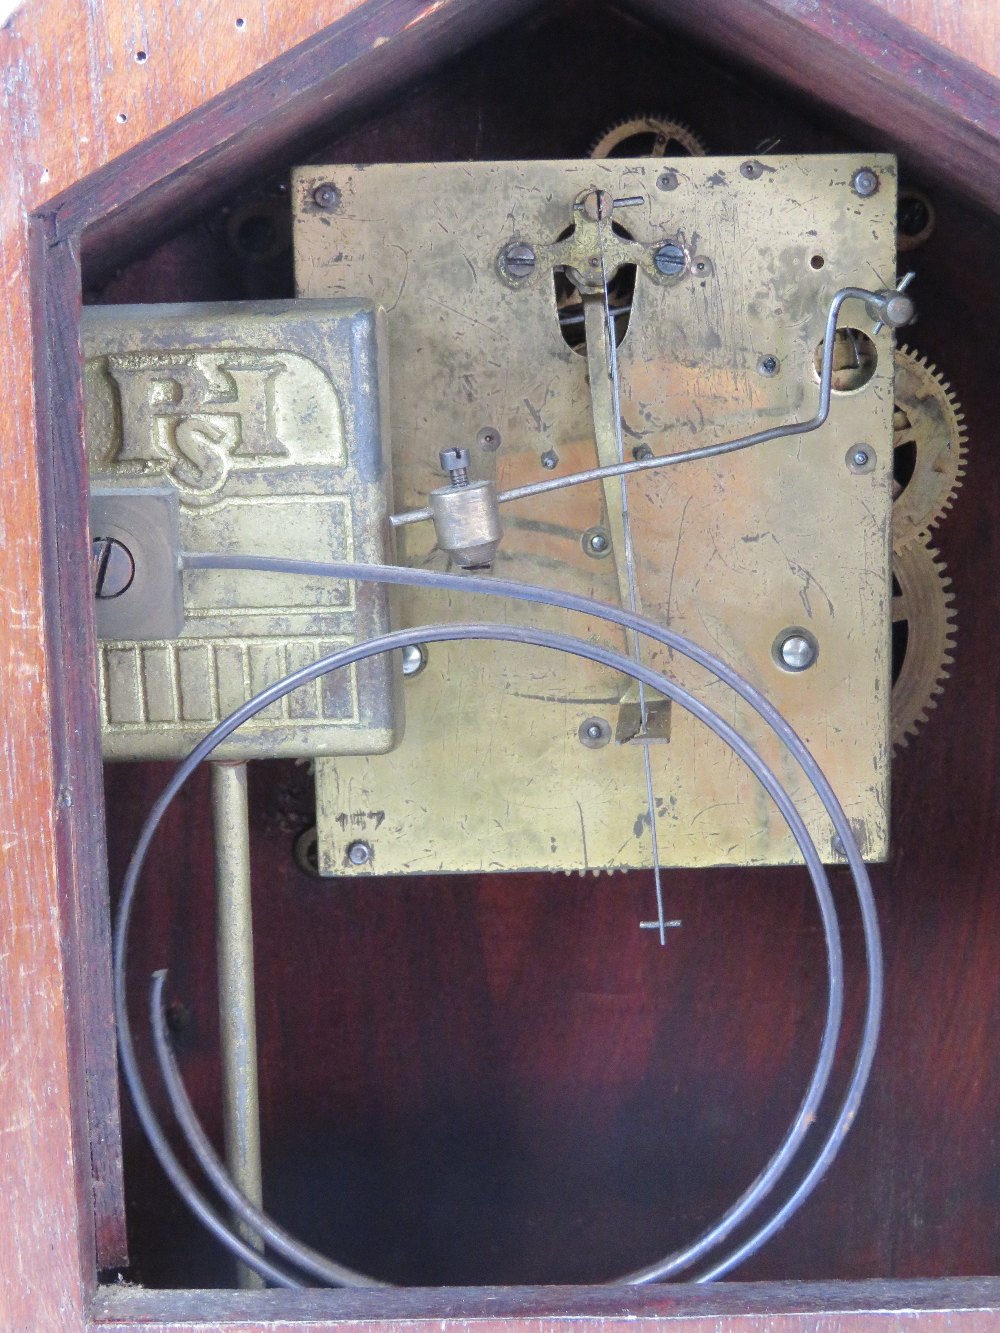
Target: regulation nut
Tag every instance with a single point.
(467, 523)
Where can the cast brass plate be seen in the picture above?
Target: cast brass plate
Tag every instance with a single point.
(492, 774)
(264, 420)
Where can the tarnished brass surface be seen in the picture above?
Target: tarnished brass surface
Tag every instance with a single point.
(265, 421)
(492, 773)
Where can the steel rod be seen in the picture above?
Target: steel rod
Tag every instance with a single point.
(237, 1012)
(875, 302)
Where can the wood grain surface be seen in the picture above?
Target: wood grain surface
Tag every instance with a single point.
(970, 28)
(833, 1307)
(80, 86)
(939, 112)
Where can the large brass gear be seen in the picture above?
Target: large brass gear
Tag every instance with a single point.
(923, 636)
(654, 136)
(928, 448)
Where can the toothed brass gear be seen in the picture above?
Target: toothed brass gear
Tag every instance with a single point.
(928, 448)
(923, 636)
(653, 136)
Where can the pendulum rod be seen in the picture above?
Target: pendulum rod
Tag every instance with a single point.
(237, 1015)
(602, 357)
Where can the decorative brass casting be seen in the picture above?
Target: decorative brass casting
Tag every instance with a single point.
(237, 427)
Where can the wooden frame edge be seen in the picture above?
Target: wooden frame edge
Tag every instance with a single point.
(967, 1305)
(936, 109)
(81, 858)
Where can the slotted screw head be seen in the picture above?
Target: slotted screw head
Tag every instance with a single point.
(113, 567)
(454, 460)
(519, 260)
(670, 259)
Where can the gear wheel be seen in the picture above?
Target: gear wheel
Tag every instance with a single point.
(928, 448)
(648, 136)
(923, 636)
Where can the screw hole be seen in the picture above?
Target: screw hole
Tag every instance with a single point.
(241, 24)
(121, 118)
(306, 852)
(817, 261)
(140, 57)
(855, 360)
(915, 219)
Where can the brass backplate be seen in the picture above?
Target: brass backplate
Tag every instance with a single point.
(492, 774)
(265, 422)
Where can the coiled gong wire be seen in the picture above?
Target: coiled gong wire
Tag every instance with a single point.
(309, 1261)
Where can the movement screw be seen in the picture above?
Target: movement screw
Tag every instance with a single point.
(359, 853)
(864, 182)
(414, 659)
(519, 260)
(860, 458)
(796, 650)
(597, 541)
(113, 567)
(326, 196)
(670, 259)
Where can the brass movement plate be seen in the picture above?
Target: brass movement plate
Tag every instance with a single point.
(264, 420)
(492, 774)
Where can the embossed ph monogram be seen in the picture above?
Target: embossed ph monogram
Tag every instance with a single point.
(199, 415)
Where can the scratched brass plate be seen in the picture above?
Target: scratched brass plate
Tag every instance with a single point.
(492, 774)
(264, 420)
